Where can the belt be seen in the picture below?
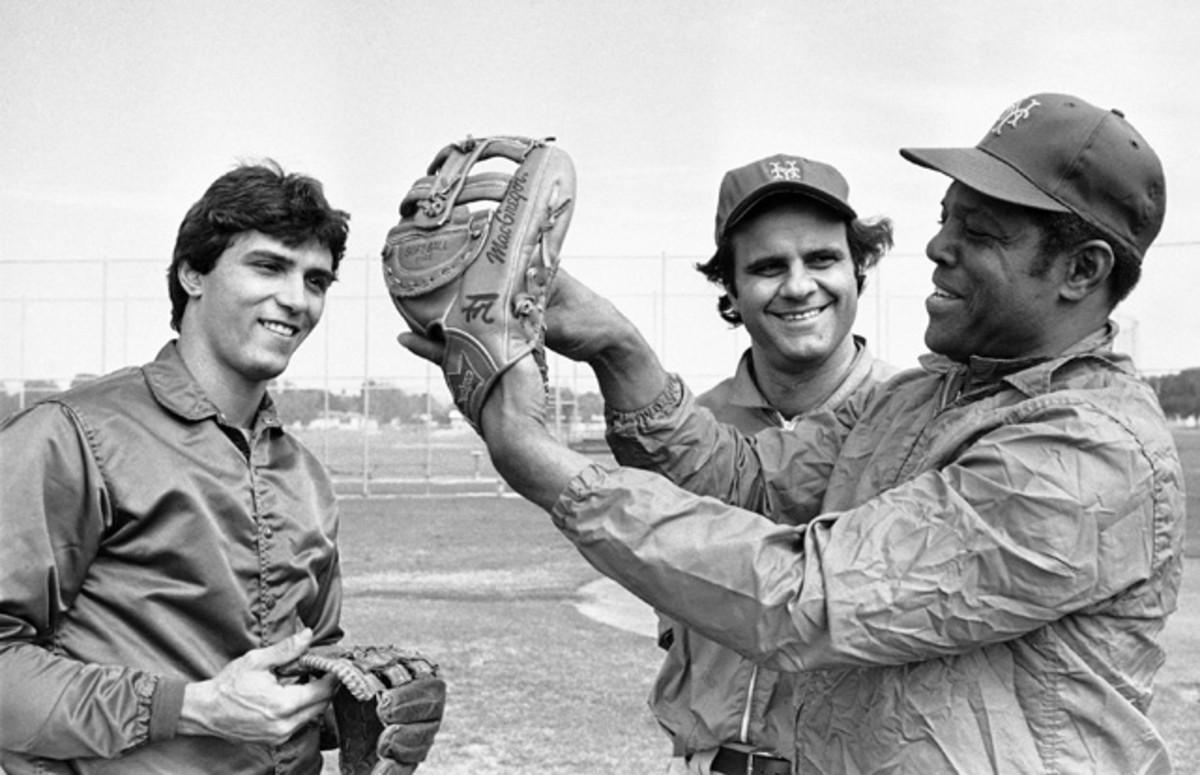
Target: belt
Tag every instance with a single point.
(736, 761)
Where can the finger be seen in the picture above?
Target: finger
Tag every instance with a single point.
(289, 721)
(320, 690)
(422, 347)
(567, 290)
(302, 703)
(563, 280)
(282, 652)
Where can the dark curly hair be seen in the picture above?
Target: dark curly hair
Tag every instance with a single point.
(253, 197)
(868, 239)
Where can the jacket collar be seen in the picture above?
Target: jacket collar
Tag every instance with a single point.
(176, 390)
(1032, 376)
(745, 392)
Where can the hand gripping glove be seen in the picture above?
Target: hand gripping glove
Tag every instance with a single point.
(477, 279)
(388, 708)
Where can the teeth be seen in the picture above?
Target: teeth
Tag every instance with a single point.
(943, 294)
(798, 316)
(280, 328)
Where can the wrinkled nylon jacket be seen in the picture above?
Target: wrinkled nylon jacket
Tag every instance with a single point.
(997, 549)
(147, 544)
(706, 694)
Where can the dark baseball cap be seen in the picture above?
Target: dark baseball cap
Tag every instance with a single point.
(745, 187)
(1056, 152)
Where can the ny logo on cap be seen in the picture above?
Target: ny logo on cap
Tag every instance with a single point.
(1014, 115)
(785, 170)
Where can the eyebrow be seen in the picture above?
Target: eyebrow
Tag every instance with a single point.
(996, 209)
(962, 209)
(815, 252)
(988, 214)
(326, 274)
(831, 251)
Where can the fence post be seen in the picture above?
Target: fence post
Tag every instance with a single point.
(366, 399)
(366, 439)
(104, 315)
(428, 429)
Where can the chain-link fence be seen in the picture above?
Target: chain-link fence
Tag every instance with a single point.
(381, 418)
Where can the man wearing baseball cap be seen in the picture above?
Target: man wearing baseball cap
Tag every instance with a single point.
(972, 562)
(791, 259)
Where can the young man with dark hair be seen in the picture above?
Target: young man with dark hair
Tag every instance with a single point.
(166, 542)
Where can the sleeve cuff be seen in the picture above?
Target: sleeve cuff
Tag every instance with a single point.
(165, 707)
(669, 400)
(578, 489)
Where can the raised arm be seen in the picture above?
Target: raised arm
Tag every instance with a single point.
(584, 326)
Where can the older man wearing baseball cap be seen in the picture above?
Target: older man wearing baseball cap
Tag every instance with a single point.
(988, 546)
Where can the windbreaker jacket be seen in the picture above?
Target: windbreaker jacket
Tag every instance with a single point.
(706, 694)
(997, 549)
(147, 543)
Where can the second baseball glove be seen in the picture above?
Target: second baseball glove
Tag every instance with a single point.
(477, 279)
(388, 708)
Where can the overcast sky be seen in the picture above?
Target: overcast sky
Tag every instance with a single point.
(115, 116)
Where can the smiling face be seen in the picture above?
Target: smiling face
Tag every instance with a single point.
(246, 317)
(993, 294)
(794, 284)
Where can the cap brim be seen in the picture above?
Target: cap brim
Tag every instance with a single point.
(986, 174)
(788, 187)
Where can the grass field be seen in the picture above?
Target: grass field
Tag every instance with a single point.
(1188, 443)
(443, 462)
(488, 587)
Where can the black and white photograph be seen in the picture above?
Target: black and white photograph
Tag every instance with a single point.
(677, 387)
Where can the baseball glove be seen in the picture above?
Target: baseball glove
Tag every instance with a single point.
(476, 280)
(388, 707)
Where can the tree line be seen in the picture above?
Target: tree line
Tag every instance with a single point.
(385, 404)
(1179, 395)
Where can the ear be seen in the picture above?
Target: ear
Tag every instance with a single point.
(860, 278)
(1087, 268)
(191, 280)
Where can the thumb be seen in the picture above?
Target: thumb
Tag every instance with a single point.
(422, 347)
(285, 650)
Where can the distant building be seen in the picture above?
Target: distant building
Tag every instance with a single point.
(344, 421)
